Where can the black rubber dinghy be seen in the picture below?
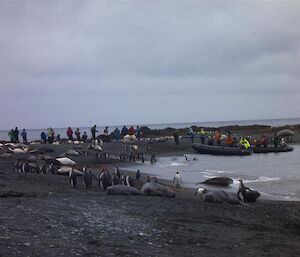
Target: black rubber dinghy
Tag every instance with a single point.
(220, 150)
(273, 149)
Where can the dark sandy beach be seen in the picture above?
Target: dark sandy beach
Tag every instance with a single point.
(41, 215)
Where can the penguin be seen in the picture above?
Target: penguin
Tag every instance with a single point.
(128, 181)
(138, 175)
(148, 179)
(177, 180)
(43, 169)
(25, 167)
(105, 179)
(116, 180)
(143, 158)
(243, 190)
(73, 178)
(153, 159)
(118, 173)
(87, 178)
(52, 168)
(16, 165)
(200, 192)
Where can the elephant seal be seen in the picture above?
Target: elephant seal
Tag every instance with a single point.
(221, 196)
(155, 189)
(123, 190)
(72, 153)
(64, 170)
(66, 161)
(217, 181)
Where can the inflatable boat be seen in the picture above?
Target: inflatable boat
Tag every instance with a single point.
(273, 149)
(219, 150)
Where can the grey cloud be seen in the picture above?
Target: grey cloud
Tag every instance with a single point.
(155, 55)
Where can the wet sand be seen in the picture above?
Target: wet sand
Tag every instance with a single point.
(41, 215)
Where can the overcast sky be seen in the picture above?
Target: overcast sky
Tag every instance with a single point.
(138, 62)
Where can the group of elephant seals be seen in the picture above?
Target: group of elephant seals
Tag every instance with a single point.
(148, 189)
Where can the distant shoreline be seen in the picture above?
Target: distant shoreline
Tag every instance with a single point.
(267, 122)
(162, 129)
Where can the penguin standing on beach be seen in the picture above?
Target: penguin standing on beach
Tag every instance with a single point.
(73, 178)
(43, 169)
(153, 158)
(200, 192)
(242, 190)
(138, 175)
(87, 178)
(177, 180)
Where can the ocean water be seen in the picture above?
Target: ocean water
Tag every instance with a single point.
(275, 175)
(34, 134)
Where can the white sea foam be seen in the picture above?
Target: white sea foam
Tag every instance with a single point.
(173, 164)
(259, 179)
(218, 171)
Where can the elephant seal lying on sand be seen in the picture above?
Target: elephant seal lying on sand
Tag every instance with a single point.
(221, 196)
(123, 190)
(218, 181)
(155, 189)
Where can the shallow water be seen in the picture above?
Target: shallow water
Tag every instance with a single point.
(274, 175)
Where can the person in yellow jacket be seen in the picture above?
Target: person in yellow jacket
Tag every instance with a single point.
(245, 143)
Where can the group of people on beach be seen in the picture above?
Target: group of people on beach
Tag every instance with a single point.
(49, 136)
(14, 135)
(77, 134)
(118, 134)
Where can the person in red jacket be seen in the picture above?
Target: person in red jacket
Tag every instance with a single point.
(70, 133)
(131, 131)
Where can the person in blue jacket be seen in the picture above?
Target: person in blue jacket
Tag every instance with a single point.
(24, 136)
(44, 137)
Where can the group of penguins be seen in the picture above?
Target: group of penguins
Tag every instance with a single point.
(105, 178)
